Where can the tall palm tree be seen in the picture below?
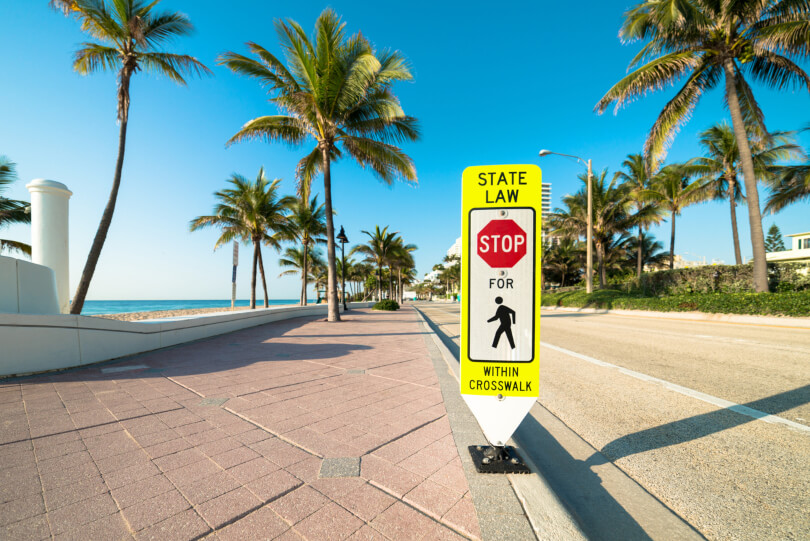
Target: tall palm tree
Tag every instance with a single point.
(707, 41)
(721, 164)
(128, 34)
(11, 210)
(336, 90)
(302, 261)
(638, 179)
(377, 250)
(401, 259)
(612, 215)
(250, 211)
(673, 192)
(306, 225)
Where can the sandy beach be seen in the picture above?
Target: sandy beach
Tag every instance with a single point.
(159, 314)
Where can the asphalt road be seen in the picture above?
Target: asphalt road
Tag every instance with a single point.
(711, 418)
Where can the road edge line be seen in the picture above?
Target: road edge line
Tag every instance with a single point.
(686, 391)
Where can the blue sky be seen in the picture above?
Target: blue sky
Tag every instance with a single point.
(490, 87)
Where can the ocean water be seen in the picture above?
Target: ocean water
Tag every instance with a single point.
(92, 308)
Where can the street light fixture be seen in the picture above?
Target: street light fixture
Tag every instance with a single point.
(589, 235)
(343, 239)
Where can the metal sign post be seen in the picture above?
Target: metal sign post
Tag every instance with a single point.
(233, 278)
(500, 312)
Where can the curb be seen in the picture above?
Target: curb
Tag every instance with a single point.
(795, 322)
(548, 518)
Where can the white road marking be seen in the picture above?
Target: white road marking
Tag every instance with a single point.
(719, 402)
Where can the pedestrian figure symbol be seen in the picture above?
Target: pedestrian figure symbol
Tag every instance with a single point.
(507, 318)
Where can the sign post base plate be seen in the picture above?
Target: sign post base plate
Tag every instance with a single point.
(491, 459)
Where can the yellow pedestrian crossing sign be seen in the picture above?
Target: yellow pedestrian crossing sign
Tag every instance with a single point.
(500, 309)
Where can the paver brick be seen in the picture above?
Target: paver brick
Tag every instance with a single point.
(260, 524)
(155, 510)
(226, 508)
(298, 504)
(331, 522)
(182, 526)
(272, 486)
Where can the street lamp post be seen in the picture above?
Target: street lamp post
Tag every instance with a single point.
(343, 239)
(589, 234)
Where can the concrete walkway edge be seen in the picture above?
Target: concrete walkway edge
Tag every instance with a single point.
(549, 518)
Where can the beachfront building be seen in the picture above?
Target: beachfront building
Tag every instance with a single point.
(455, 249)
(799, 251)
(545, 202)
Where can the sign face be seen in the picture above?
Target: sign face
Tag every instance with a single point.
(500, 311)
(500, 287)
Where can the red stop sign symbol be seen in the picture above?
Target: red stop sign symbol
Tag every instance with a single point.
(501, 243)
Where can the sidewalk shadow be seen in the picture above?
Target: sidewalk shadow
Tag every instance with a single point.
(699, 426)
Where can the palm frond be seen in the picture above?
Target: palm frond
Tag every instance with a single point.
(286, 129)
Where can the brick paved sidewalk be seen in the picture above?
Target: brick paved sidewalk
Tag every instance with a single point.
(297, 429)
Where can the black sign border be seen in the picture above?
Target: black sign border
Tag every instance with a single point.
(469, 285)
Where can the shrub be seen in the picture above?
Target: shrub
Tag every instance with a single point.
(386, 304)
(789, 303)
(716, 279)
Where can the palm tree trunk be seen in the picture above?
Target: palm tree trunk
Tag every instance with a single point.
(734, 232)
(304, 275)
(749, 177)
(399, 285)
(379, 283)
(264, 280)
(253, 276)
(640, 256)
(672, 244)
(602, 267)
(106, 217)
(333, 311)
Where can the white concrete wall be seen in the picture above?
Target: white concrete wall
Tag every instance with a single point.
(26, 288)
(38, 343)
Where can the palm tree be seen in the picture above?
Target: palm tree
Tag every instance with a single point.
(128, 33)
(303, 261)
(721, 165)
(400, 259)
(707, 41)
(307, 225)
(654, 256)
(249, 212)
(563, 260)
(612, 215)
(672, 191)
(11, 210)
(638, 179)
(377, 250)
(336, 90)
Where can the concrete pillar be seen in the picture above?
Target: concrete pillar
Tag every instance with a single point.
(49, 232)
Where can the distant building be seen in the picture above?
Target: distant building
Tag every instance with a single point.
(545, 203)
(455, 249)
(799, 251)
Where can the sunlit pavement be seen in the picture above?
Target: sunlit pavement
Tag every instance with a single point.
(297, 429)
(729, 475)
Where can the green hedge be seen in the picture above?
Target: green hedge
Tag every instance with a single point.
(386, 304)
(716, 279)
(789, 303)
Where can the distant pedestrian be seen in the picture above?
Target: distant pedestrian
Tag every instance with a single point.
(507, 318)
